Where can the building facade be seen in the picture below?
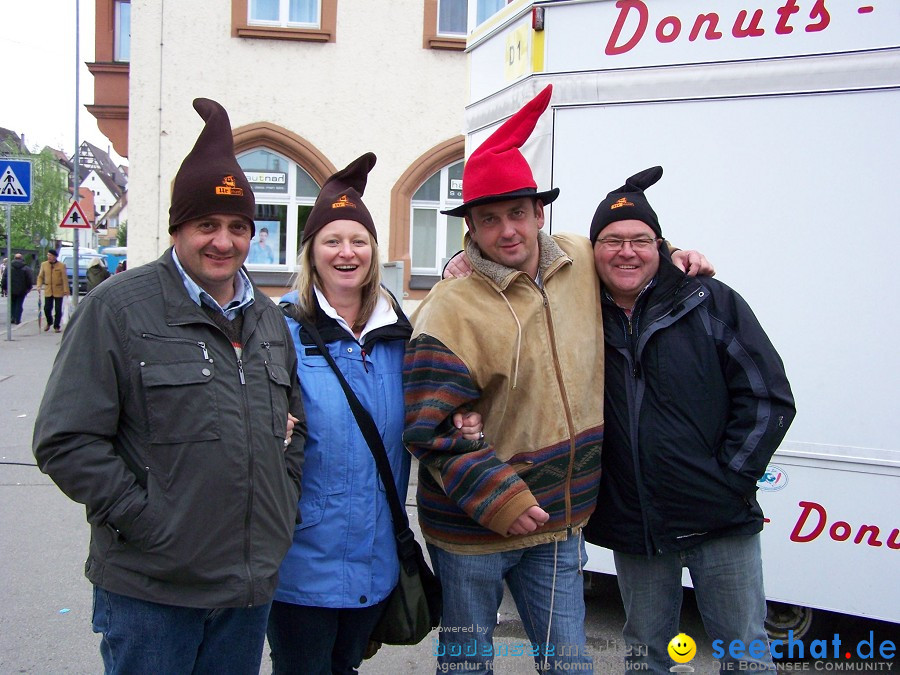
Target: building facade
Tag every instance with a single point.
(309, 85)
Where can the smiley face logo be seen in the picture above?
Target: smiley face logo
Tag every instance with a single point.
(682, 648)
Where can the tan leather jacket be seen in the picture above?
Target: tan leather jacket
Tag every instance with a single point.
(52, 279)
(533, 360)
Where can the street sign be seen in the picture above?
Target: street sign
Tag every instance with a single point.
(15, 181)
(75, 218)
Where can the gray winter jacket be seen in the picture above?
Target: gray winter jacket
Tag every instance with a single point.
(173, 444)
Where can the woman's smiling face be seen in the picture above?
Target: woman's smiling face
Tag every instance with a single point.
(342, 256)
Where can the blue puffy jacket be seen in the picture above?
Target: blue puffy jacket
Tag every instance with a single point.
(344, 552)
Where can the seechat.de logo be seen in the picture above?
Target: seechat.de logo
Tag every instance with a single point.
(774, 479)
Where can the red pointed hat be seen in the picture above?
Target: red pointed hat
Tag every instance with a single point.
(497, 170)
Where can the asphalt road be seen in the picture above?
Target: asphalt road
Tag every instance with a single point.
(45, 601)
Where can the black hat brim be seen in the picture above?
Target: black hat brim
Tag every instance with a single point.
(546, 197)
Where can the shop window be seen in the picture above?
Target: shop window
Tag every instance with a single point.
(285, 193)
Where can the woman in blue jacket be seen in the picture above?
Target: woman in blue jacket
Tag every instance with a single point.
(342, 565)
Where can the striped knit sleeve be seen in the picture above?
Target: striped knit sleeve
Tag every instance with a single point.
(436, 384)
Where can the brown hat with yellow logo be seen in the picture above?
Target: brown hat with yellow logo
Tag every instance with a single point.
(341, 198)
(210, 179)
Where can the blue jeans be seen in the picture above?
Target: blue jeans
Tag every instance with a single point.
(320, 640)
(473, 590)
(146, 638)
(728, 584)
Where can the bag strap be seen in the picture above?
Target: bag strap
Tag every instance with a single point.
(405, 537)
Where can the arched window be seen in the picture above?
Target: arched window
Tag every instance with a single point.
(434, 237)
(285, 194)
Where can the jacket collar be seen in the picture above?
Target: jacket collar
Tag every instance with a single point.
(669, 296)
(332, 331)
(180, 307)
(551, 259)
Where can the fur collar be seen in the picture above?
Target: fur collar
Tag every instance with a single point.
(501, 275)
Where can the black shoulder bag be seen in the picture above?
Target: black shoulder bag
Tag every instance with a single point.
(414, 606)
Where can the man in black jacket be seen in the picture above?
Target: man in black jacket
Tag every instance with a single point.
(696, 403)
(18, 280)
(179, 451)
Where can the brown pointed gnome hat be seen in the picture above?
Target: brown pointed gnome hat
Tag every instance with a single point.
(341, 198)
(210, 179)
(628, 203)
(497, 170)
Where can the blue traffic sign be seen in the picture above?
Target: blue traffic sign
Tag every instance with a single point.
(15, 181)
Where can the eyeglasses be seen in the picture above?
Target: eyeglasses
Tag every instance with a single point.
(616, 244)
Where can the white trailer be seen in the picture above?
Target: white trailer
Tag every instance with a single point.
(777, 123)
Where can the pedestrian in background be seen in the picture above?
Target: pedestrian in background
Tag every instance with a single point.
(182, 454)
(54, 283)
(96, 273)
(697, 401)
(18, 282)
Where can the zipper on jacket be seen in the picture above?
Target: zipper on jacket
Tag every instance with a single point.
(631, 342)
(251, 591)
(267, 346)
(249, 513)
(569, 423)
(184, 341)
(363, 352)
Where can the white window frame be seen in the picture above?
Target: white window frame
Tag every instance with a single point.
(284, 8)
(118, 55)
(442, 204)
(437, 28)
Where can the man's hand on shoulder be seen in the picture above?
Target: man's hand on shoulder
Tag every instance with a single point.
(693, 263)
(529, 521)
(457, 267)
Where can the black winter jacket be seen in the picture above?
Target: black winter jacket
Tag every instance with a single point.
(173, 444)
(697, 401)
(21, 277)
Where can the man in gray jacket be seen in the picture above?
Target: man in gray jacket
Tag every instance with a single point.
(172, 426)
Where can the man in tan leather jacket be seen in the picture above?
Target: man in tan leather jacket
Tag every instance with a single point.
(53, 281)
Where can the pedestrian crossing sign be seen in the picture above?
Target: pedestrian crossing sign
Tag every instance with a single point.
(75, 218)
(15, 181)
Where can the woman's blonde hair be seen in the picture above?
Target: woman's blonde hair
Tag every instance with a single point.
(308, 277)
